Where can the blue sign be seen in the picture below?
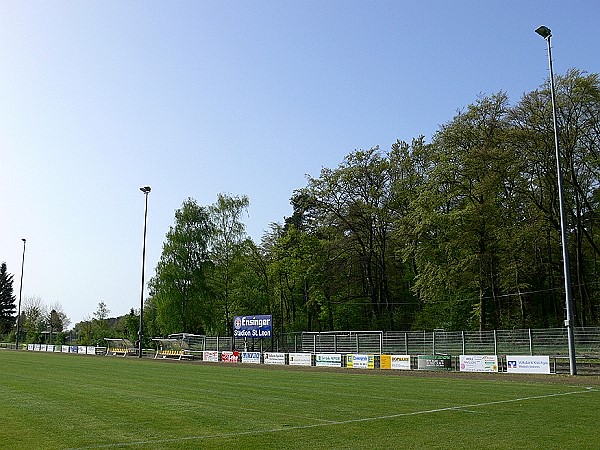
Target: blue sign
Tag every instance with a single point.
(253, 326)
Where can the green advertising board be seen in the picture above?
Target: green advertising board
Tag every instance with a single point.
(434, 362)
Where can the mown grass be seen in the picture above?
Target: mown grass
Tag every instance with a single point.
(58, 401)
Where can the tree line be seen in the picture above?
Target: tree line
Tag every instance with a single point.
(38, 322)
(462, 232)
(459, 233)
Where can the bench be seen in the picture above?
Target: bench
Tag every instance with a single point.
(119, 347)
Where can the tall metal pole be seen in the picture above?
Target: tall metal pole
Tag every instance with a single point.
(20, 295)
(547, 34)
(146, 190)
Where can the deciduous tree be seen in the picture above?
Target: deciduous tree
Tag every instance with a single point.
(227, 246)
(179, 291)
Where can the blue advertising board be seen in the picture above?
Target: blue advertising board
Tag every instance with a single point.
(253, 326)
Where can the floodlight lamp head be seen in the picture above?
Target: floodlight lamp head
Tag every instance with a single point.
(145, 189)
(544, 32)
(23, 240)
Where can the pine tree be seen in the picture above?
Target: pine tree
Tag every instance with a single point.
(7, 300)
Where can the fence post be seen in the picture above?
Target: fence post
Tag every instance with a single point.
(530, 343)
(495, 344)
(463, 342)
(406, 343)
(433, 341)
(381, 342)
(314, 343)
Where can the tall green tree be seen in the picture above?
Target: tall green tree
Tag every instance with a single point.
(179, 290)
(34, 313)
(227, 246)
(354, 209)
(55, 323)
(7, 300)
(130, 324)
(578, 119)
(297, 270)
(461, 216)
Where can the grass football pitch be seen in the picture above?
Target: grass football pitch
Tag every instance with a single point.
(61, 401)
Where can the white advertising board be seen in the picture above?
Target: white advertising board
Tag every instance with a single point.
(30, 347)
(211, 356)
(527, 364)
(65, 349)
(274, 358)
(478, 363)
(328, 360)
(91, 350)
(250, 357)
(300, 359)
(81, 349)
(401, 362)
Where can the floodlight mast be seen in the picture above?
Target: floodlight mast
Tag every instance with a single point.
(20, 294)
(547, 34)
(146, 190)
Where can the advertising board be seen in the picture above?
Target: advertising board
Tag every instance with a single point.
(300, 359)
(478, 363)
(400, 362)
(258, 327)
(211, 356)
(328, 360)
(527, 364)
(251, 357)
(230, 357)
(434, 362)
(360, 361)
(275, 358)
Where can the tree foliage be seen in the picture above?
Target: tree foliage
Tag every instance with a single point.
(179, 290)
(34, 314)
(462, 232)
(227, 244)
(7, 300)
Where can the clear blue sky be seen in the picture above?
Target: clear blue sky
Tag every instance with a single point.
(193, 98)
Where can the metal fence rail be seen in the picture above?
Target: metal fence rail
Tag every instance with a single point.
(549, 341)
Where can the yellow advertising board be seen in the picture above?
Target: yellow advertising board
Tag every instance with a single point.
(385, 362)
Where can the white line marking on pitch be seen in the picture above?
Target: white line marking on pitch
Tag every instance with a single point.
(342, 422)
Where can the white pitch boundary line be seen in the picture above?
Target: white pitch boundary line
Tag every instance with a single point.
(343, 422)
